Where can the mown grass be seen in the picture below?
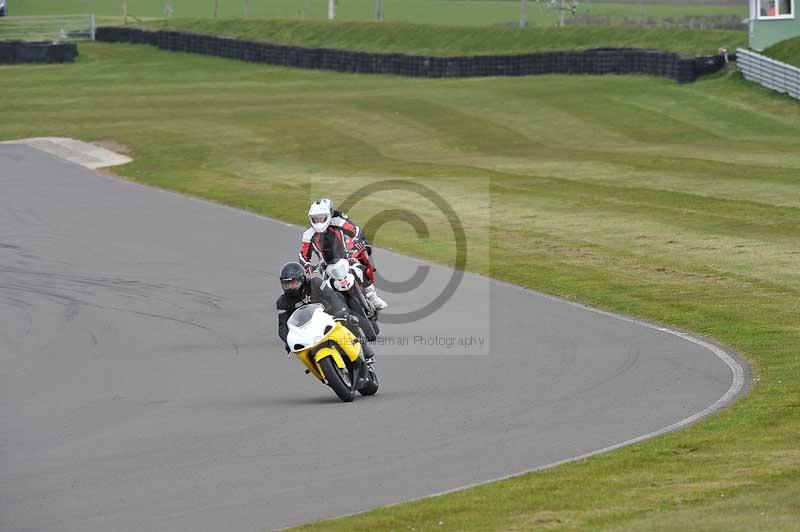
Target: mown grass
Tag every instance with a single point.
(451, 40)
(472, 13)
(787, 51)
(675, 203)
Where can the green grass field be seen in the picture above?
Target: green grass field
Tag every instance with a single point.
(451, 40)
(454, 12)
(787, 51)
(674, 203)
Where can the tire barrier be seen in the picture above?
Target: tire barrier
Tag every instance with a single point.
(680, 67)
(13, 52)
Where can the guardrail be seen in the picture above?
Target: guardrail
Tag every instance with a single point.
(48, 28)
(769, 72)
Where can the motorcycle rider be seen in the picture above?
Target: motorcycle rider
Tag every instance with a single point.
(328, 223)
(299, 290)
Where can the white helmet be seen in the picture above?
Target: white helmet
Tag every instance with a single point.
(320, 215)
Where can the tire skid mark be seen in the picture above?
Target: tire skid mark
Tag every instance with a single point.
(73, 303)
(122, 286)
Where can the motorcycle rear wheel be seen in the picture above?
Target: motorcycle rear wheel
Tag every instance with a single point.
(336, 380)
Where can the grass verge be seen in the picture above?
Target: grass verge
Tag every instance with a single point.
(787, 51)
(675, 203)
(453, 40)
(472, 13)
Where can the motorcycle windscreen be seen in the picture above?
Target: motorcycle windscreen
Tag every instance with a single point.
(304, 314)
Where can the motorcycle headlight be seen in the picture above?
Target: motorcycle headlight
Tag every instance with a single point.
(339, 270)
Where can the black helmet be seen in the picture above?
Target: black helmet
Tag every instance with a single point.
(293, 277)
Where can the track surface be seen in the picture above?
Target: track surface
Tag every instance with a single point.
(142, 387)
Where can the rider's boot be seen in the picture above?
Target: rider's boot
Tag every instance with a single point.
(369, 354)
(373, 297)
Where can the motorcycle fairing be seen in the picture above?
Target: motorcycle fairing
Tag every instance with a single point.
(337, 344)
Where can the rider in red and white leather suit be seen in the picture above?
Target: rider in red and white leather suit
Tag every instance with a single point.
(333, 229)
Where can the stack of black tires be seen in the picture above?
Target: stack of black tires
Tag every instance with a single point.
(680, 67)
(14, 52)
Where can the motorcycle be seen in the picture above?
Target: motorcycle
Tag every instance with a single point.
(330, 352)
(345, 276)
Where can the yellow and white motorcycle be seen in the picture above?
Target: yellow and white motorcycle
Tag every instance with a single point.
(331, 352)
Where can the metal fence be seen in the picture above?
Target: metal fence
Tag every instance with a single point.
(701, 14)
(48, 28)
(768, 72)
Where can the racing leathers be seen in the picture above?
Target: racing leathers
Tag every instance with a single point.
(343, 234)
(312, 291)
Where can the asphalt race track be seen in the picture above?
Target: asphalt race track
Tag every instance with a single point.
(142, 385)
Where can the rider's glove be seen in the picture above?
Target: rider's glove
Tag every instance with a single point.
(349, 318)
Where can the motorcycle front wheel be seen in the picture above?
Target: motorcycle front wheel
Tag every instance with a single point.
(338, 379)
(371, 388)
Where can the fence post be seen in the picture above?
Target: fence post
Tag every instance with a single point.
(523, 14)
(50, 28)
(379, 10)
(331, 9)
(125, 12)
